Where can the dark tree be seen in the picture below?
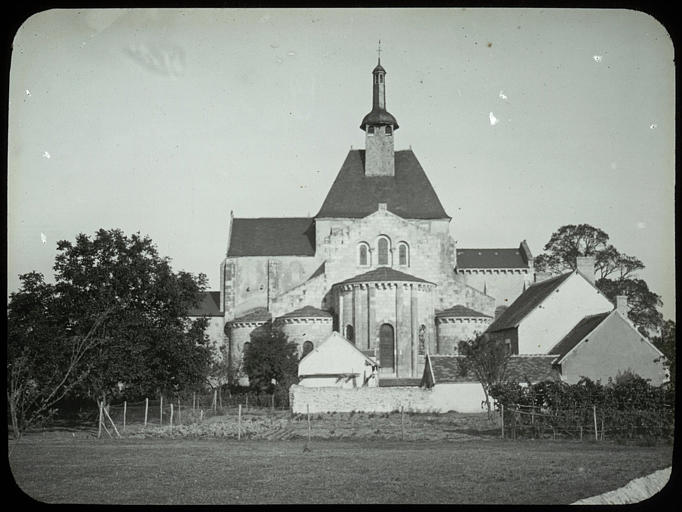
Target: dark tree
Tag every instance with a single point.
(117, 313)
(486, 358)
(643, 304)
(270, 356)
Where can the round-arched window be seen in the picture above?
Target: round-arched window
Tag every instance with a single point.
(307, 348)
(403, 254)
(350, 334)
(363, 255)
(382, 250)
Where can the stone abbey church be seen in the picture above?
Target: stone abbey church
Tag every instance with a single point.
(377, 264)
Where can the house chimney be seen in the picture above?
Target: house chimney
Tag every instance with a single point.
(585, 265)
(622, 305)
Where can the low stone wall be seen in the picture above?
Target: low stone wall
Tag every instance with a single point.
(464, 397)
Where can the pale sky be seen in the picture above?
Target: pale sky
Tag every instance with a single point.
(162, 121)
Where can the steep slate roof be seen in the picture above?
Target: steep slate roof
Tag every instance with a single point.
(383, 274)
(256, 315)
(408, 194)
(307, 312)
(491, 258)
(527, 302)
(520, 368)
(460, 311)
(575, 336)
(209, 305)
(288, 236)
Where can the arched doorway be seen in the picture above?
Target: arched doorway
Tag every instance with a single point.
(350, 334)
(387, 348)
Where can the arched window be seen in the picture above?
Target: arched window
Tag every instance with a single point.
(363, 255)
(307, 348)
(381, 79)
(370, 130)
(422, 340)
(382, 249)
(350, 334)
(389, 130)
(403, 254)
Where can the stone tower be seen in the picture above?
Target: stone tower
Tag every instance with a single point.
(379, 126)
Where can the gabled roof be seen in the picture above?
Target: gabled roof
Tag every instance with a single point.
(288, 236)
(460, 311)
(520, 368)
(256, 315)
(491, 258)
(209, 305)
(307, 312)
(334, 337)
(383, 274)
(527, 302)
(408, 194)
(577, 334)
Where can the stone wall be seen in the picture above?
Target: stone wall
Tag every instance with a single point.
(300, 330)
(460, 397)
(453, 330)
(503, 284)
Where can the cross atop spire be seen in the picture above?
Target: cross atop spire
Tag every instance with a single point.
(379, 51)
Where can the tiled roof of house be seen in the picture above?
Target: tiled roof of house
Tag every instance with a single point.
(287, 236)
(307, 312)
(527, 302)
(491, 258)
(460, 311)
(408, 194)
(520, 368)
(383, 274)
(581, 329)
(255, 315)
(209, 305)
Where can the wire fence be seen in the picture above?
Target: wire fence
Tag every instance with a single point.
(529, 421)
(190, 408)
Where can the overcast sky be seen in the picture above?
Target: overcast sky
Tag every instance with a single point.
(162, 121)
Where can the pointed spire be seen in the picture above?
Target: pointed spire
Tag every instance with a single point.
(379, 53)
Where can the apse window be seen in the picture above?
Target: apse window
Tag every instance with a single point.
(370, 130)
(307, 348)
(389, 130)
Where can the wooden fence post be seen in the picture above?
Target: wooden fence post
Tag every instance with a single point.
(194, 401)
(502, 413)
(308, 410)
(273, 402)
(594, 414)
(171, 418)
(220, 397)
(146, 410)
(112, 423)
(247, 402)
(239, 423)
(125, 408)
(201, 415)
(602, 427)
(215, 400)
(402, 423)
(581, 432)
(161, 411)
(179, 414)
(99, 428)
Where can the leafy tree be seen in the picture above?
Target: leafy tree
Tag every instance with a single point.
(270, 356)
(666, 344)
(616, 271)
(117, 313)
(487, 358)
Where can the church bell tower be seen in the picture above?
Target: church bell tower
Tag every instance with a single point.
(379, 126)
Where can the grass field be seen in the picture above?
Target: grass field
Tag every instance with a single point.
(226, 471)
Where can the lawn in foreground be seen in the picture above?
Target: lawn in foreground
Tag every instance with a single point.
(162, 471)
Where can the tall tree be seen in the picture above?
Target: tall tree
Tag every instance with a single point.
(666, 344)
(270, 356)
(616, 272)
(487, 358)
(117, 314)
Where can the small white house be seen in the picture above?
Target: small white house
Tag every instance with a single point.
(548, 310)
(337, 363)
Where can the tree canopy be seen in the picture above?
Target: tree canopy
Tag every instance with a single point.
(616, 272)
(116, 315)
(270, 356)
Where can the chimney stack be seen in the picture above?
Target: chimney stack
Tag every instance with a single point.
(585, 265)
(622, 305)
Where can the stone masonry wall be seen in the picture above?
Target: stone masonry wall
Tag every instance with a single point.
(453, 330)
(300, 330)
